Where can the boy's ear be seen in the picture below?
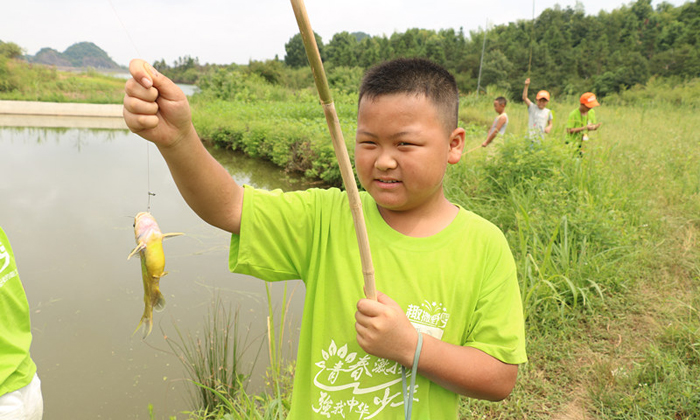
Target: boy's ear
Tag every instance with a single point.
(457, 139)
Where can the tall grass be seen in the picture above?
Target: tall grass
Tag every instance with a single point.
(212, 363)
(606, 248)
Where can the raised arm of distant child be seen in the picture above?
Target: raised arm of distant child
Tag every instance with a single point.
(157, 110)
(525, 98)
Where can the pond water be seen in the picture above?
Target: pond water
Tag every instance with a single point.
(67, 202)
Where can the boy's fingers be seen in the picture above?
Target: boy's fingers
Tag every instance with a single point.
(139, 72)
(373, 308)
(147, 76)
(386, 300)
(138, 123)
(135, 89)
(137, 106)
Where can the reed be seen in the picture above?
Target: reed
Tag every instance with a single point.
(212, 360)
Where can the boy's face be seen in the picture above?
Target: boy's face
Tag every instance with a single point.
(542, 103)
(402, 149)
(498, 107)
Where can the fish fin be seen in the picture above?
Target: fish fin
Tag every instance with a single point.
(160, 304)
(168, 235)
(140, 247)
(146, 326)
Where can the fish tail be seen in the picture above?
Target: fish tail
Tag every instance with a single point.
(146, 324)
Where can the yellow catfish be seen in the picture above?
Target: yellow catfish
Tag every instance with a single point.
(149, 246)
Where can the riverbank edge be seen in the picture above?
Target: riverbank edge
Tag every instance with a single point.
(60, 109)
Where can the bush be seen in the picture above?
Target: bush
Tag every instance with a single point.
(559, 213)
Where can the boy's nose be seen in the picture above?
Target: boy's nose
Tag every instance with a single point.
(385, 161)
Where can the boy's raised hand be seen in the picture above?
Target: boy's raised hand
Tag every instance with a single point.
(383, 330)
(154, 107)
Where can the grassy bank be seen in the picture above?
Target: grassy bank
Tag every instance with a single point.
(606, 245)
(607, 257)
(21, 81)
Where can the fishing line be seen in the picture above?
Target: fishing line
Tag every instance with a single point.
(126, 31)
(148, 176)
(148, 148)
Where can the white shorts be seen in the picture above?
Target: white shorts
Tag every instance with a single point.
(24, 404)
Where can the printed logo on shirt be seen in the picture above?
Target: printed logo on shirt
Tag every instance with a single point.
(361, 386)
(353, 386)
(429, 318)
(4, 264)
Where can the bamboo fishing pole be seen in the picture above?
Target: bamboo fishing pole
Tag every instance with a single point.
(341, 152)
(473, 149)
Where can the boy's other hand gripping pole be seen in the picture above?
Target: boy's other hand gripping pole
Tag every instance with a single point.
(341, 152)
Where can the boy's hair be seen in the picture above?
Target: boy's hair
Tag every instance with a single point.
(501, 100)
(415, 76)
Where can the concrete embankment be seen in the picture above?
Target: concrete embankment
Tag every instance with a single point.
(64, 115)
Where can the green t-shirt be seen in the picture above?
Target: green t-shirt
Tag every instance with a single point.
(16, 366)
(459, 286)
(576, 120)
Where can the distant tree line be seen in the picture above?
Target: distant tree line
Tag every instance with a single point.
(562, 50)
(565, 50)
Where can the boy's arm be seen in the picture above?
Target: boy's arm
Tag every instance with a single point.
(157, 110)
(525, 98)
(494, 132)
(571, 124)
(384, 331)
(550, 123)
(592, 126)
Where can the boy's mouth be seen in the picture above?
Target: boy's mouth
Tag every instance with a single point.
(387, 181)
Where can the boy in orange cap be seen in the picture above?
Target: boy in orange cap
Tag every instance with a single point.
(582, 120)
(540, 117)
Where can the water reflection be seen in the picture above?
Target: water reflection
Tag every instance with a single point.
(68, 201)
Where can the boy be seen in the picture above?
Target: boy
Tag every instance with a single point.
(445, 271)
(20, 387)
(582, 120)
(540, 119)
(500, 122)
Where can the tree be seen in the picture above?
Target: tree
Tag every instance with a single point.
(10, 50)
(295, 54)
(342, 50)
(369, 52)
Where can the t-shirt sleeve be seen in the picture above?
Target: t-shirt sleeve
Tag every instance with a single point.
(497, 326)
(273, 241)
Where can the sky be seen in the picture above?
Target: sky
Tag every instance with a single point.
(232, 31)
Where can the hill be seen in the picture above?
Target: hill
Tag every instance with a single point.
(79, 55)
